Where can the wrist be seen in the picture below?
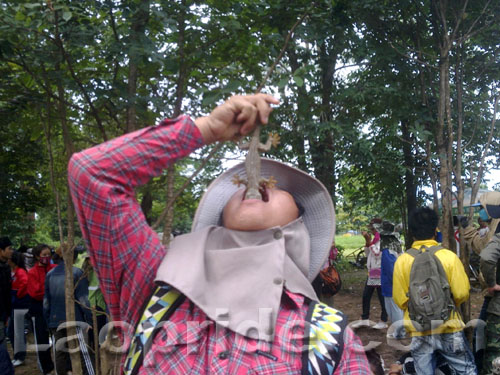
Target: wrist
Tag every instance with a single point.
(203, 125)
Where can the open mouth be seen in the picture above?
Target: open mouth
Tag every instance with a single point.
(264, 193)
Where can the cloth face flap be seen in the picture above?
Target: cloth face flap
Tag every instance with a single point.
(237, 278)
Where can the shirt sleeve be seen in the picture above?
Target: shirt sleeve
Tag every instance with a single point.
(22, 281)
(472, 236)
(375, 248)
(5, 294)
(459, 282)
(401, 281)
(376, 238)
(124, 250)
(489, 259)
(353, 360)
(46, 299)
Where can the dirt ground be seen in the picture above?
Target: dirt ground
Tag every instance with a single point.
(348, 300)
(30, 366)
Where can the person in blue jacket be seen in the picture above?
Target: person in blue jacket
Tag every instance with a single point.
(54, 308)
(390, 248)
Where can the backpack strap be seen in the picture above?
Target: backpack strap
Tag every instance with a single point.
(160, 308)
(413, 252)
(433, 249)
(325, 342)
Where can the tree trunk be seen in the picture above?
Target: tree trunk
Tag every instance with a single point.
(323, 147)
(443, 137)
(68, 247)
(95, 334)
(138, 28)
(464, 247)
(181, 82)
(410, 186)
(432, 176)
(167, 227)
(302, 105)
(110, 354)
(48, 138)
(479, 177)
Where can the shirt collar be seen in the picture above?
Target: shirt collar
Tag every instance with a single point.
(427, 243)
(296, 300)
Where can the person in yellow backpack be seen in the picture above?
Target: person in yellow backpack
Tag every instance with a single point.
(446, 341)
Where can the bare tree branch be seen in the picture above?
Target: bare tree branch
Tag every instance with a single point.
(475, 186)
(468, 34)
(186, 183)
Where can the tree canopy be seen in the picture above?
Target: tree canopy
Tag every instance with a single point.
(379, 99)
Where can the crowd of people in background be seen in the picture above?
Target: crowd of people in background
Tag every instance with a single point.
(32, 288)
(442, 347)
(33, 298)
(291, 230)
(254, 252)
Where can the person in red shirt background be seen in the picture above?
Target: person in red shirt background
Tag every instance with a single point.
(36, 290)
(20, 305)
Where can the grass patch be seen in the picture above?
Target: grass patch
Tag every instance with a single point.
(350, 245)
(350, 242)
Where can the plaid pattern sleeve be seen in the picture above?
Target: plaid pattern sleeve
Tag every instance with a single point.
(353, 361)
(125, 251)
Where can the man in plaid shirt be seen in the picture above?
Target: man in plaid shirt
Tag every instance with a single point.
(129, 257)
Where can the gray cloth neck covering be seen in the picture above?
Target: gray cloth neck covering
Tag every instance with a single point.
(236, 277)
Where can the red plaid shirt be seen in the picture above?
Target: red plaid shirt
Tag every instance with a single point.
(126, 253)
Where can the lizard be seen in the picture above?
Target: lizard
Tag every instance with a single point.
(254, 182)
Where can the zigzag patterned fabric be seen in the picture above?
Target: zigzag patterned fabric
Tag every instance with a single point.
(158, 307)
(325, 339)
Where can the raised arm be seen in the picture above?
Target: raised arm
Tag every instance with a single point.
(124, 250)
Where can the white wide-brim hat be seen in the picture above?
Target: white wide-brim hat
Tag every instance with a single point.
(318, 216)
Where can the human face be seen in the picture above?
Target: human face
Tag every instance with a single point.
(278, 209)
(44, 254)
(12, 265)
(6, 253)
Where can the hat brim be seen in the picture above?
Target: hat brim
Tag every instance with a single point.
(493, 211)
(491, 202)
(319, 212)
(386, 233)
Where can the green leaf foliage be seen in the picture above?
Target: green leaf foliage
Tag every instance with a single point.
(358, 85)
